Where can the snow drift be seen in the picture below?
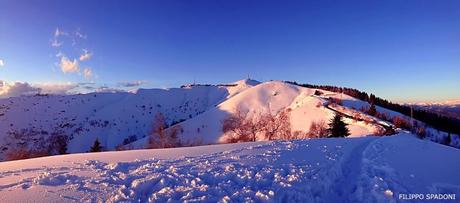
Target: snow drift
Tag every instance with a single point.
(370, 169)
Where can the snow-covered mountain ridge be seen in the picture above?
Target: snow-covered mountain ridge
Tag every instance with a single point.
(454, 102)
(120, 118)
(111, 117)
(362, 168)
(449, 108)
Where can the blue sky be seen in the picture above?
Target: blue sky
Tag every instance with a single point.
(400, 50)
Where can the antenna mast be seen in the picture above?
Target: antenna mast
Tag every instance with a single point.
(411, 114)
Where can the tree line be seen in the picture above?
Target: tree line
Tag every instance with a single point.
(242, 126)
(435, 120)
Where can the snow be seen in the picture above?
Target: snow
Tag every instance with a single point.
(361, 168)
(453, 102)
(366, 169)
(449, 108)
(110, 117)
(268, 97)
(120, 118)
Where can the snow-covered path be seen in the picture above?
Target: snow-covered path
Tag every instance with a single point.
(319, 170)
(350, 168)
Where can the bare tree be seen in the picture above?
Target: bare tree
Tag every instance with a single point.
(298, 134)
(18, 153)
(240, 127)
(157, 137)
(254, 126)
(30, 143)
(383, 130)
(379, 131)
(318, 129)
(270, 126)
(401, 122)
(284, 123)
(276, 126)
(172, 135)
(161, 136)
(236, 126)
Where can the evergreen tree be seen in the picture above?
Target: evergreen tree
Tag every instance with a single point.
(318, 93)
(372, 110)
(96, 146)
(338, 128)
(447, 140)
(372, 99)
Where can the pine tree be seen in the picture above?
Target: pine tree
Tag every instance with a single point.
(338, 128)
(372, 110)
(96, 146)
(318, 93)
(447, 140)
(372, 98)
(163, 136)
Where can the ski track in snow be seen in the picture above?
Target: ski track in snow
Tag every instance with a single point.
(349, 171)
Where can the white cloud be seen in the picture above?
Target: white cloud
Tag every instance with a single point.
(108, 89)
(59, 54)
(88, 73)
(86, 55)
(132, 83)
(58, 33)
(69, 66)
(93, 87)
(57, 88)
(80, 35)
(56, 43)
(2, 63)
(17, 89)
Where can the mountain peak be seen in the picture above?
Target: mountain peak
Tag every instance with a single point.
(248, 82)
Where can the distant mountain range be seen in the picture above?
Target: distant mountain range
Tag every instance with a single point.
(449, 108)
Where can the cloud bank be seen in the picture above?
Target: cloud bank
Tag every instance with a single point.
(57, 88)
(15, 89)
(132, 83)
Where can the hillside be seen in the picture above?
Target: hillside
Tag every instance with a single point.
(110, 117)
(126, 119)
(269, 97)
(370, 169)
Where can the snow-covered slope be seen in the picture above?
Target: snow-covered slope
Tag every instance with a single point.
(273, 97)
(121, 118)
(111, 117)
(370, 169)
